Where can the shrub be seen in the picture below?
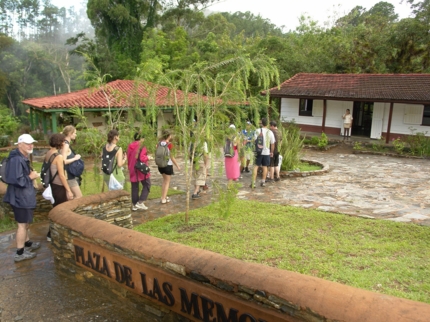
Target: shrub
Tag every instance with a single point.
(419, 144)
(322, 141)
(291, 146)
(399, 145)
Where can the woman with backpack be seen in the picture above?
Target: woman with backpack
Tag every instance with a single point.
(231, 154)
(137, 151)
(113, 159)
(69, 157)
(165, 161)
(61, 191)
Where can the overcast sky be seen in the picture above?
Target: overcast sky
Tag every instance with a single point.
(286, 13)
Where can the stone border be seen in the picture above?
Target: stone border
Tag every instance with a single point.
(325, 169)
(294, 296)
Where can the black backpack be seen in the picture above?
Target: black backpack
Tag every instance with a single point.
(259, 142)
(228, 148)
(3, 169)
(109, 160)
(45, 172)
(140, 165)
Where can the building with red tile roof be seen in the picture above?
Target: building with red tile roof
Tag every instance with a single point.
(382, 105)
(116, 95)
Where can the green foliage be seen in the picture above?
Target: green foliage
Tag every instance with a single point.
(9, 123)
(314, 140)
(291, 146)
(358, 146)
(226, 197)
(322, 141)
(399, 145)
(7, 224)
(379, 145)
(419, 143)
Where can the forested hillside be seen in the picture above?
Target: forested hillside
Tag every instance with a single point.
(45, 50)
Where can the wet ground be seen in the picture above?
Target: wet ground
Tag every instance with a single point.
(370, 186)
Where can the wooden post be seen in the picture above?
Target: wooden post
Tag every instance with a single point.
(390, 117)
(324, 114)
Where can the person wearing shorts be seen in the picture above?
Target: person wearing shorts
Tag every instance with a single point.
(21, 195)
(167, 171)
(274, 160)
(263, 159)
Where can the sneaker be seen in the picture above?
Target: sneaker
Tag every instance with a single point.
(247, 170)
(141, 205)
(25, 255)
(263, 184)
(134, 208)
(33, 246)
(277, 179)
(269, 180)
(195, 196)
(48, 238)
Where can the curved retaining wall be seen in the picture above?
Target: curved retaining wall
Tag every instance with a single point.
(324, 169)
(169, 281)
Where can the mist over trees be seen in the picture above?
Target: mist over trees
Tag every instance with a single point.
(42, 47)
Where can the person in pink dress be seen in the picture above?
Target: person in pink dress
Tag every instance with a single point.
(136, 176)
(232, 164)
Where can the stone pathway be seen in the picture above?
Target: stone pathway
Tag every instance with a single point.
(369, 186)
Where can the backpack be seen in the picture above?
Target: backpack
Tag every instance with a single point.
(228, 148)
(259, 142)
(76, 168)
(3, 169)
(45, 173)
(162, 155)
(140, 165)
(108, 160)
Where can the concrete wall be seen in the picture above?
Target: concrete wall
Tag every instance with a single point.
(172, 282)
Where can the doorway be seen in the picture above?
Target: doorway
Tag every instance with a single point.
(362, 114)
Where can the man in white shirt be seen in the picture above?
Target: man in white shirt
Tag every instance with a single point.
(263, 159)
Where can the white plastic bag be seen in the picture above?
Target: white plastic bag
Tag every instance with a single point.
(47, 194)
(278, 168)
(114, 184)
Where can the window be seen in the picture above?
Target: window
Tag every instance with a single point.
(306, 107)
(426, 115)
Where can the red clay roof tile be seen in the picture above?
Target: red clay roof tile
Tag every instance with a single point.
(119, 93)
(377, 87)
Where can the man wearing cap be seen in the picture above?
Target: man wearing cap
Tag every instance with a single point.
(21, 194)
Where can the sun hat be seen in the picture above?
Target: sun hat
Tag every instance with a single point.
(25, 138)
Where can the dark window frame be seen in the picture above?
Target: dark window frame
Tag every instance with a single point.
(305, 107)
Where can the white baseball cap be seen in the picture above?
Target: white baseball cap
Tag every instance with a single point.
(232, 126)
(25, 138)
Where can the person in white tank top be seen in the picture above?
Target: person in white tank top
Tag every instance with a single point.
(347, 124)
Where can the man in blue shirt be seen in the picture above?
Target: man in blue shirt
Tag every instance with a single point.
(21, 195)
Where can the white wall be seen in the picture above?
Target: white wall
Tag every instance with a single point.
(403, 119)
(91, 118)
(335, 110)
(405, 116)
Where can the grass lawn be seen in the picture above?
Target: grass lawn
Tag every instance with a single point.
(376, 255)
